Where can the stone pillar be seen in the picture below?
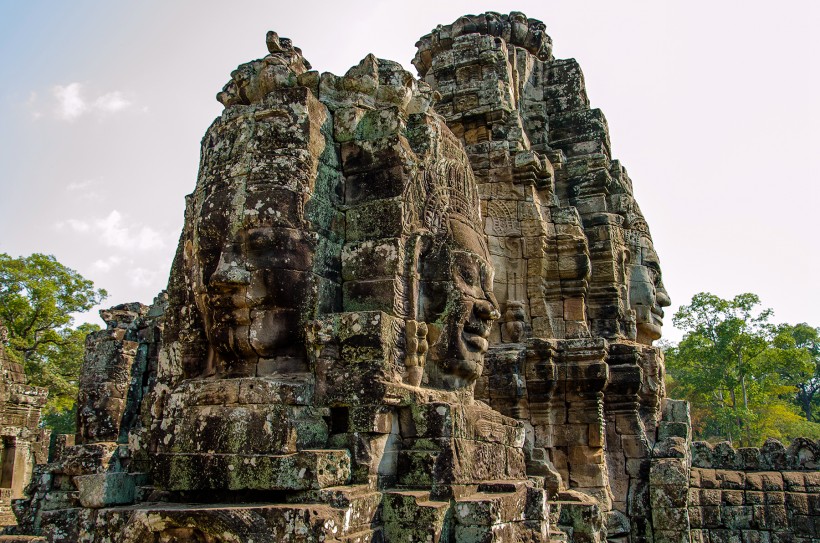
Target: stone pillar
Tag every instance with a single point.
(106, 374)
(579, 446)
(669, 475)
(628, 446)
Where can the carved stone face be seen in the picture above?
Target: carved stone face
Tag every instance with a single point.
(457, 302)
(252, 283)
(647, 296)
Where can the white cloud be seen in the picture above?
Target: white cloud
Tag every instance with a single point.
(142, 277)
(70, 105)
(84, 190)
(148, 238)
(112, 102)
(115, 231)
(79, 185)
(31, 103)
(78, 226)
(105, 265)
(71, 102)
(111, 230)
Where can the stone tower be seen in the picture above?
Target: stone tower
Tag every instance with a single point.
(401, 309)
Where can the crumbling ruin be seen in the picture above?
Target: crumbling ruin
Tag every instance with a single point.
(22, 442)
(403, 310)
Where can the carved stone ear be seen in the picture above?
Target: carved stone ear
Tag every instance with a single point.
(425, 243)
(415, 351)
(188, 250)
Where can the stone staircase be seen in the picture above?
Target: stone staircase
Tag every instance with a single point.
(303, 470)
(492, 512)
(412, 516)
(343, 514)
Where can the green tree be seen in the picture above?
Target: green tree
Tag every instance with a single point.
(799, 363)
(737, 370)
(38, 297)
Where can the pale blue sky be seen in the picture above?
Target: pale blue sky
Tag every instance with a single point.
(713, 108)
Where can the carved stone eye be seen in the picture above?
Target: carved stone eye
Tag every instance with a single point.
(259, 241)
(654, 272)
(469, 274)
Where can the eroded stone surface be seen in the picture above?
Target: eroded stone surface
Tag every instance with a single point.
(400, 310)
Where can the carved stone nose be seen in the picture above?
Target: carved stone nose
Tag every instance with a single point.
(486, 310)
(662, 297)
(230, 273)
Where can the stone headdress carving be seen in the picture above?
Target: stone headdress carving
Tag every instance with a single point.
(443, 190)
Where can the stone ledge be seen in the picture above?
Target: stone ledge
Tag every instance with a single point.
(305, 470)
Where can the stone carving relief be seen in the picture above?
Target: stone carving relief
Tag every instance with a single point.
(334, 358)
(252, 276)
(647, 294)
(452, 278)
(514, 327)
(23, 441)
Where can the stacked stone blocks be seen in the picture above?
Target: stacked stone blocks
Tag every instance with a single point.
(329, 368)
(755, 494)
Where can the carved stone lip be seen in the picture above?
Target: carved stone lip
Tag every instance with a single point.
(227, 302)
(478, 342)
(475, 332)
(478, 327)
(231, 315)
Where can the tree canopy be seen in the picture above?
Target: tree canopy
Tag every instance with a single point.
(746, 378)
(801, 345)
(38, 297)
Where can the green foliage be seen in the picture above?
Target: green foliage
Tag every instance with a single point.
(800, 364)
(63, 422)
(38, 296)
(743, 375)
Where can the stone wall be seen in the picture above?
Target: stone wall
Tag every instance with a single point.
(669, 471)
(751, 495)
(22, 442)
(707, 493)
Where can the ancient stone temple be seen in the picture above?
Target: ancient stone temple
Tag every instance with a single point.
(405, 310)
(22, 442)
